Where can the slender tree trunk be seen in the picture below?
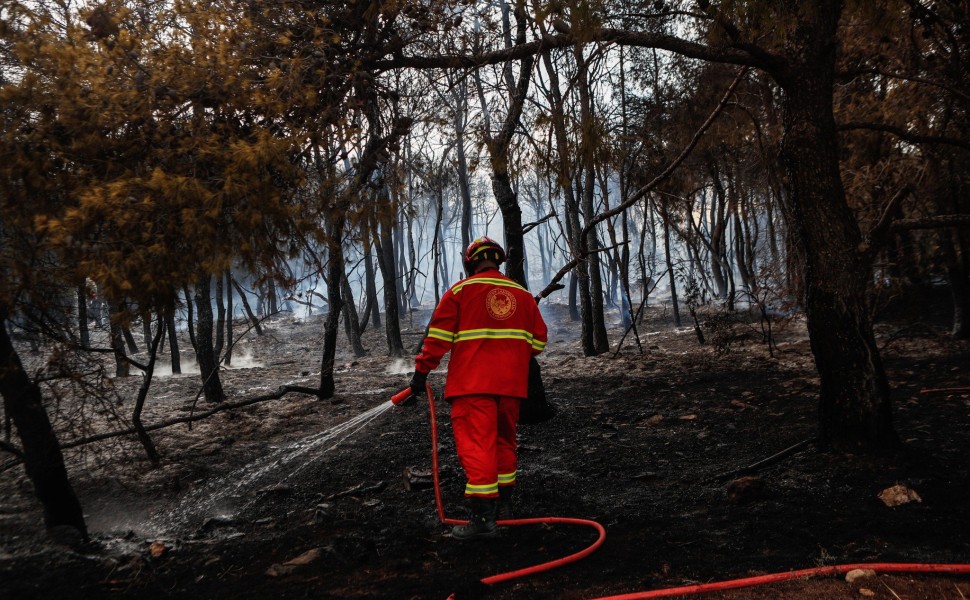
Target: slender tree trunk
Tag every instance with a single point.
(436, 246)
(220, 318)
(204, 350)
(126, 333)
(82, 316)
(272, 299)
(671, 276)
(718, 226)
(190, 317)
(498, 147)
(464, 184)
(385, 260)
(173, 342)
(146, 325)
(122, 368)
(331, 327)
(43, 460)
(351, 320)
(402, 264)
(249, 311)
(372, 311)
(229, 313)
(143, 437)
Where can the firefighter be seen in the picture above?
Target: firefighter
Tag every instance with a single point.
(492, 327)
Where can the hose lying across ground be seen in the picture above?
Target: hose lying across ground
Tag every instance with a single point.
(948, 569)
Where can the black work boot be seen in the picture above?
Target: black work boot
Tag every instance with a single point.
(505, 494)
(481, 524)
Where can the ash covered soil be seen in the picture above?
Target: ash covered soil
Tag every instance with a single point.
(282, 499)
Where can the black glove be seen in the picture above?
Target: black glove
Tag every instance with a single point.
(418, 384)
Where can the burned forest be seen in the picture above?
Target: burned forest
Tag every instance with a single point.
(225, 228)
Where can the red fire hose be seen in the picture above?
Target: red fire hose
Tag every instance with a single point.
(949, 569)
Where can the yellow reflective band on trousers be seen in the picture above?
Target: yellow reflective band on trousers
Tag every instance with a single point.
(489, 489)
(491, 281)
(506, 478)
(499, 334)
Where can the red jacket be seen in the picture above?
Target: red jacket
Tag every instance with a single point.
(493, 327)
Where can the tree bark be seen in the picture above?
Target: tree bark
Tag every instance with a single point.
(351, 319)
(331, 327)
(229, 313)
(385, 260)
(43, 460)
(118, 345)
(204, 351)
(854, 407)
(671, 273)
(372, 311)
(246, 307)
(143, 437)
(173, 342)
(220, 318)
(82, 316)
(588, 142)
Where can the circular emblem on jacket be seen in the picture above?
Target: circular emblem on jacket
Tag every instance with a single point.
(500, 304)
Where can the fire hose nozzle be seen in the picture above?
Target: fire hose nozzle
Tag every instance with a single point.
(403, 397)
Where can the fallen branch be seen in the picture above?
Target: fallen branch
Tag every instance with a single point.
(357, 490)
(282, 391)
(953, 390)
(753, 468)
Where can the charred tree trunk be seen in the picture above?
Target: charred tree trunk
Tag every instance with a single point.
(190, 317)
(461, 166)
(246, 307)
(351, 319)
(122, 368)
(331, 327)
(372, 311)
(385, 260)
(220, 318)
(854, 406)
(143, 437)
(958, 274)
(671, 276)
(204, 350)
(498, 150)
(82, 316)
(229, 312)
(173, 342)
(43, 460)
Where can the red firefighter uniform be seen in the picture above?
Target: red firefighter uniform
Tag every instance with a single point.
(492, 327)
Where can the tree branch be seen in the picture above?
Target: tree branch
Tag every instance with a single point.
(603, 35)
(282, 391)
(931, 222)
(901, 133)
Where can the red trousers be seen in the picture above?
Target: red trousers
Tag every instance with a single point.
(484, 428)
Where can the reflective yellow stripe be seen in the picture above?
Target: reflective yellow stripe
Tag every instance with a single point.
(478, 334)
(441, 334)
(490, 280)
(506, 478)
(481, 490)
(538, 345)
